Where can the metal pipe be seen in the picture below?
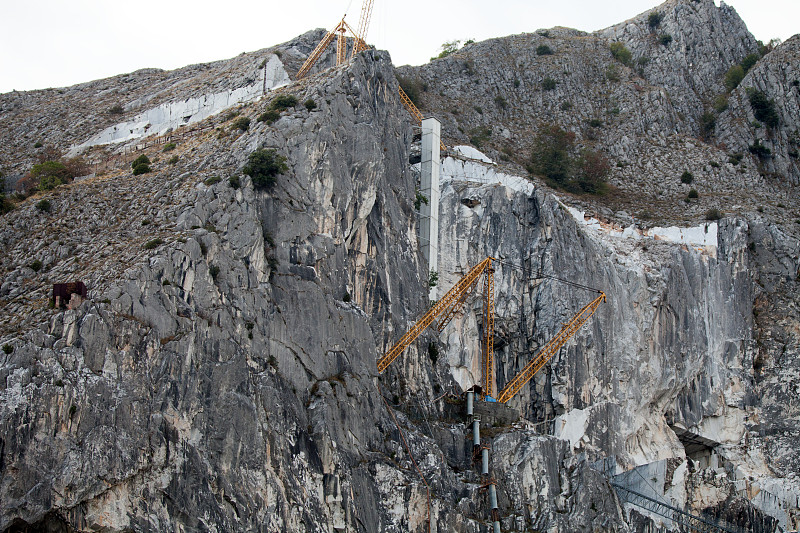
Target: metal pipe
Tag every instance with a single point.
(476, 432)
(470, 402)
(485, 461)
(496, 526)
(493, 496)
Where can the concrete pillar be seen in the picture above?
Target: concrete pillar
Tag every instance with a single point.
(485, 461)
(476, 432)
(470, 403)
(429, 187)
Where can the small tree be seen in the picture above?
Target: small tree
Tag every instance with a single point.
(654, 19)
(621, 54)
(551, 153)
(544, 50)
(447, 48)
(141, 165)
(263, 166)
(763, 108)
(733, 77)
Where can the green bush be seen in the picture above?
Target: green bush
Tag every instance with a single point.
(764, 109)
(310, 104)
(621, 54)
(212, 180)
(500, 101)
(759, 150)
(708, 123)
(548, 84)
(214, 271)
(687, 177)
(50, 174)
(735, 159)
(665, 39)
(5, 204)
(283, 102)
(551, 154)
(612, 72)
(172, 160)
(654, 19)
(749, 61)
(733, 77)
(155, 243)
(447, 48)
(595, 123)
(169, 147)
(241, 124)
(43, 205)
(141, 160)
(269, 116)
(36, 265)
(263, 166)
(544, 50)
(116, 109)
(38, 144)
(234, 182)
(479, 136)
(714, 214)
(720, 103)
(141, 169)
(412, 87)
(7, 348)
(693, 194)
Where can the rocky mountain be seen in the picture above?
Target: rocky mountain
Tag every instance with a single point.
(221, 374)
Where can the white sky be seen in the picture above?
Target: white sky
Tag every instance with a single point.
(56, 43)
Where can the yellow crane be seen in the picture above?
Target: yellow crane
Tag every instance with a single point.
(341, 44)
(450, 303)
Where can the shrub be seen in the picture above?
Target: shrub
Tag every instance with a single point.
(169, 147)
(759, 150)
(687, 177)
(116, 109)
(36, 265)
(447, 48)
(620, 53)
(310, 104)
(412, 87)
(141, 169)
(263, 166)
(43, 205)
(693, 194)
(749, 60)
(5, 205)
(7, 348)
(654, 19)
(500, 101)
(433, 278)
(212, 180)
(234, 182)
(141, 165)
(38, 144)
(241, 124)
(283, 102)
(346, 297)
(269, 116)
(551, 154)
(735, 159)
(764, 109)
(733, 77)
(544, 50)
(713, 164)
(594, 167)
(708, 123)
(548, 84)
(566, 106)
(612, 72)
(714, 214)
(214, 271)
(720, 103)
(155, 243)
(50, 174)
(172, 160)
(595, 123)
(665, 39)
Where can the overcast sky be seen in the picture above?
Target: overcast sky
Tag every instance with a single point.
(56, 43)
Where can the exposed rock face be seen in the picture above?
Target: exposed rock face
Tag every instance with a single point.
(222, 374)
